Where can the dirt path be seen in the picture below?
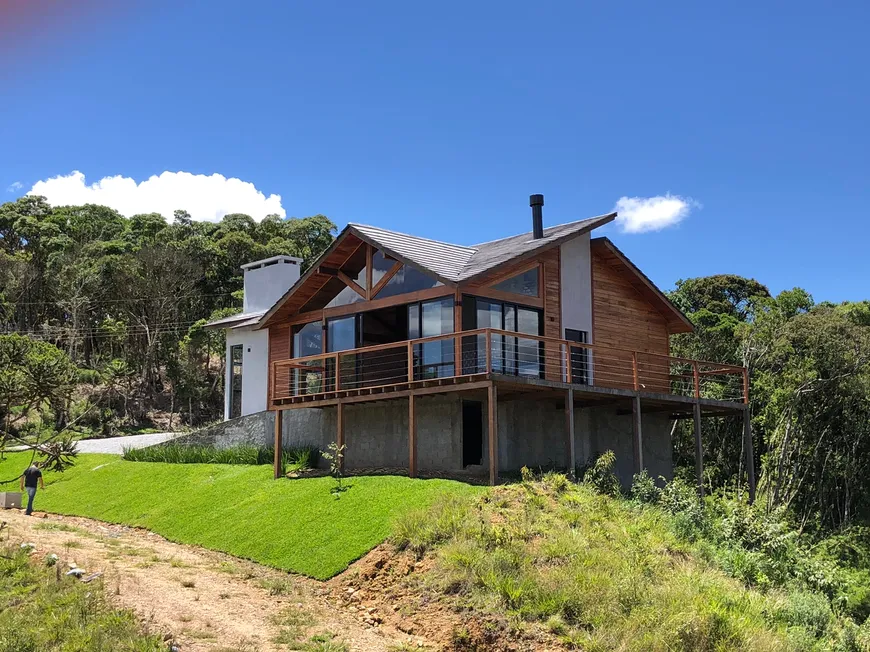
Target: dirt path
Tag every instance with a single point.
(203, 600)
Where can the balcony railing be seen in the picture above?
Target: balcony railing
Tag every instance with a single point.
(491, 351)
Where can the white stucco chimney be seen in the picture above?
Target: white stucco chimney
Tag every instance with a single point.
(267, 280)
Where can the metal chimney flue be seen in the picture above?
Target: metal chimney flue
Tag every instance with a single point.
(537, 204)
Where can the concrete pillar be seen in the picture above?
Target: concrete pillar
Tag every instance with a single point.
(569, 431)
(278, 462)
(638, 433)
(492, 407)
(339, 434)
(412, 436)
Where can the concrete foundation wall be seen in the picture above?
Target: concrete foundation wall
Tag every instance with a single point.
(376, 434)
(531, 433)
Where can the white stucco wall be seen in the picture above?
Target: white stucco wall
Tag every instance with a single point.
(576, 277)
(577, 285)
(265, 285)
(255, 369)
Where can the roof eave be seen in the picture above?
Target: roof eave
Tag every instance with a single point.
(264, 320)
(531, 253)
(403, 259)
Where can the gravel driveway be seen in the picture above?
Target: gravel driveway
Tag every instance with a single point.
(116, 445)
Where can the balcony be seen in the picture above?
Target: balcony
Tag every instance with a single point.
(487, 355)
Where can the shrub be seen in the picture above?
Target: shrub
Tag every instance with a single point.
(175, 453)
(806, 609)
(681, 500)
(601, 477)
(644, 489)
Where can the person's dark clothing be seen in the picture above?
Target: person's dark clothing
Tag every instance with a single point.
(32, 476)
(31, 479)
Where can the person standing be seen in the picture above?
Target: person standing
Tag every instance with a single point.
(29, 479)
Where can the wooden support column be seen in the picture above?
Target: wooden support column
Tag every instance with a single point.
(457, 328)
(339, 434)
(750, 453)
(279, 423)
(638, 433)
(412, 436)
(699, 451)
(492, 407)
(569, 432)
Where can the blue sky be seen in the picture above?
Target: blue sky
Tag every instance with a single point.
(441, 120)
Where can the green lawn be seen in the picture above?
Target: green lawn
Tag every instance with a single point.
(295, 525)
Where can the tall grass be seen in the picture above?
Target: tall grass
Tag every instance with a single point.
(175, 453)
(598, 573)
(39, 612)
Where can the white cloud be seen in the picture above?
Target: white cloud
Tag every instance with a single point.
(206, 198)
(641, 214)
(15, 186)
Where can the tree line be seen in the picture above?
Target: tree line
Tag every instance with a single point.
(104, 314)
(125, 299)
(809, 369)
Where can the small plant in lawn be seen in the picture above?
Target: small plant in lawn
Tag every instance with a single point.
(292, 623)
(278, 585)
(335, 456)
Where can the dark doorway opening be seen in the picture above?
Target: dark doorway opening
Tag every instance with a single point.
(472, 433)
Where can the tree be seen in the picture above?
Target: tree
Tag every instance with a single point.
(34, 377)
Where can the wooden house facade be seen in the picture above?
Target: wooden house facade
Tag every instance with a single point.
(540, 350)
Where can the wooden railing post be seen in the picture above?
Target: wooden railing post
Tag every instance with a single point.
(634, 370)
(746, 385)
(697, 376)
(568, 362)
(410, 362)
(488, 339)
(337, 371)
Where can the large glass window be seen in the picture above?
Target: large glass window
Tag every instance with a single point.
(307, 341)
(236, 381)
(509, 354)
(341, 334)
(430, 318)
(526, 283)
(380, 266)
(348, 295)
(407, 279)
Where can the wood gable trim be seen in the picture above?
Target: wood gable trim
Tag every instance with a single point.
(343, 246)
(386, 278)
(396, 256)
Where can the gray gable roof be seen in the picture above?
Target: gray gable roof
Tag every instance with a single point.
(455, 263)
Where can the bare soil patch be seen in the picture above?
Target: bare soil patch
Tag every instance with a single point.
(389, 589)
(199, 599)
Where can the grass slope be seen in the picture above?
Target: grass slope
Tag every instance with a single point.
(292, 525)
(598, 573)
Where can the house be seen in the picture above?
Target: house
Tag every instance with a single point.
(247, 349)
(542, 349)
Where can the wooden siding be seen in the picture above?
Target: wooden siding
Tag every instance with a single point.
(623, 319)
(552, 286)
(279, 348)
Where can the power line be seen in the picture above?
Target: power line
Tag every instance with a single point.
(132, 300)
